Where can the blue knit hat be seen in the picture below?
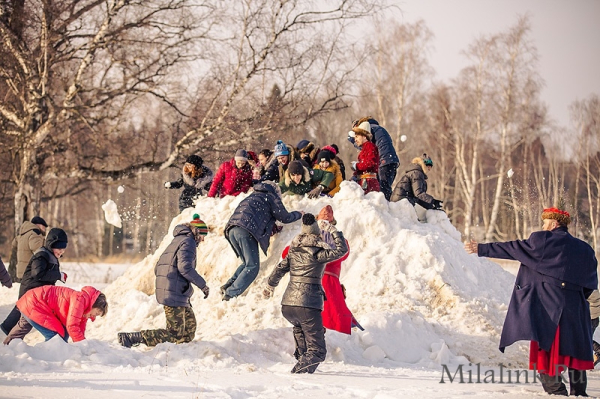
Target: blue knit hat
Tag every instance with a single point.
(280, 149)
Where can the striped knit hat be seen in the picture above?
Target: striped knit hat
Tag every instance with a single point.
(560, 216)
(199, 224)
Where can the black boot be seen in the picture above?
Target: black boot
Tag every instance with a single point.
(130, 339)
(578, 382)
(224, 287)
(553, 385)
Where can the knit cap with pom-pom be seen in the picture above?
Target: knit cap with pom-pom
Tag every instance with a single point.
(309, 224)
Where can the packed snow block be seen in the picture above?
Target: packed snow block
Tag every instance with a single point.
(111, 214)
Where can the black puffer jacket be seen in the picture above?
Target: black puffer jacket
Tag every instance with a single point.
(176, 270)
(413, 186)
(192, 188)
(305, 262)
(43, 267)
(258, 212)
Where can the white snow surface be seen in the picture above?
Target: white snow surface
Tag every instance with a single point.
(423, 302)
(111, 213)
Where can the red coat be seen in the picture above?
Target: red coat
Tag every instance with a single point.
(58, 307)
(368, 163)
(230, 180)
(336, 315)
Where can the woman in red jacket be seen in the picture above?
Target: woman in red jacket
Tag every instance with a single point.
(365, 169)
(59, 310)
(233, 177)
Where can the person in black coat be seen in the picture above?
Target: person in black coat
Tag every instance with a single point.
(251, 225)
(302, 302)
(413, 186)
(5, 279)
(175, 273)
(548, 305)
(43, 269)
(195, 179)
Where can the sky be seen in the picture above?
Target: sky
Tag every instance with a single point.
(566, 34)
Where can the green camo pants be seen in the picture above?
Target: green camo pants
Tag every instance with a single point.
(181, 327)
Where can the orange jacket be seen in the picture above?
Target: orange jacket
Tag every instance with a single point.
(58, 307)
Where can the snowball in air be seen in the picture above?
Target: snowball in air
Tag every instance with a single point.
(403, 138)
(120, 189)
(111, 214)
(510, 173)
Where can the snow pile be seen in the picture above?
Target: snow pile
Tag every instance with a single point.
(422, 300)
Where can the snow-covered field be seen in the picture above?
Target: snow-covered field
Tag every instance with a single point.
(423, 301)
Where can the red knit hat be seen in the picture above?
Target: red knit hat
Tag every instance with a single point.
(560, 216)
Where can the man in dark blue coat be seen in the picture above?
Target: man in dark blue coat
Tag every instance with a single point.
(388, 159)
(548, 304)
(175, 273)
(250, 226)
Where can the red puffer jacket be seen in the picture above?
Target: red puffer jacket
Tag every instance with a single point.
(56, 307)
(367, 167)
(230, 180)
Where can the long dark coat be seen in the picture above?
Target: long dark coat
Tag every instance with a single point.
(176, 270)
(557, 274)
(258, 212)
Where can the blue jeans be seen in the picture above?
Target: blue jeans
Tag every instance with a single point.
(46, 332)
(387, 174)
(246, 247)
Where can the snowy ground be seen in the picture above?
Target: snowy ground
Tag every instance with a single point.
(424, 303)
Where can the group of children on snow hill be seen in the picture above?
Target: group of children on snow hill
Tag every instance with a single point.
(49, 309)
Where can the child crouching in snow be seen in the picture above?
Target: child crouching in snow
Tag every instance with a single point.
(58, 310)
(302, 301)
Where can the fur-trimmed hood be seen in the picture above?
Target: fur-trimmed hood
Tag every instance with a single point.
(288, 178)
(419, 161)
(309, 240)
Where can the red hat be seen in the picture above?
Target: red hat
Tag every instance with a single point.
(559, 215)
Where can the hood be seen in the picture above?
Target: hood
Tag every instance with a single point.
(55, 235)
(268, 187)
(182, 230)
(92, 294)
(418, 161)
(415, 166)
(309, 240)
(28, 226)
(288, 179)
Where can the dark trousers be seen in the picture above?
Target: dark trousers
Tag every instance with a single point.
(555, 386)
(246, 247)
(386, 175)
(309, 335)
(11, 320)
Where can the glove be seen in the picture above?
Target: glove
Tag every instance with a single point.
(353, 167)
(276, 229)
(63, 277)
(323, 224)
(167, 184)
(205, 290)
(268, 292)
(351, 133)
(437, 204)
(315, 192)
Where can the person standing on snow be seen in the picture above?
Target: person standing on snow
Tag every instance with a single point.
(251, 225)
(233, 177)
(413, 187)
(548, 304)
(388, 159)
(175, 273)
(365, 169)
(302, 301)
(29, 239)
(195, 179)
(43, 269)
(58, 311)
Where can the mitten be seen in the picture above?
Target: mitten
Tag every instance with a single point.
(354, 165)
(268, 292)
(437, 204)
(63, 277)
(167, 184)
(351, 133)
(205, 290)
(315, 192)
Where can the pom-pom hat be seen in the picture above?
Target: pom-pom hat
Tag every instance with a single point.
(309, 224)
(280, 149)
(199, 224)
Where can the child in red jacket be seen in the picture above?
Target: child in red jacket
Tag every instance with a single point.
(58, 310)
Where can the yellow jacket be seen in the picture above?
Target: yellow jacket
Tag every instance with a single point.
(334, 186)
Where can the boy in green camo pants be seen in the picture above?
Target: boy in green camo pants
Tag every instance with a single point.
(175, 272)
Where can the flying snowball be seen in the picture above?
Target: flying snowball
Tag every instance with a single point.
(510, 173)
(120, 189)
(111, 214)
(403, 138)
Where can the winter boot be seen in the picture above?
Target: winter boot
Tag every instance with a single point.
(224, 287)
(596, 346)
(130, 339)
(578, 382)
(553, 385)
